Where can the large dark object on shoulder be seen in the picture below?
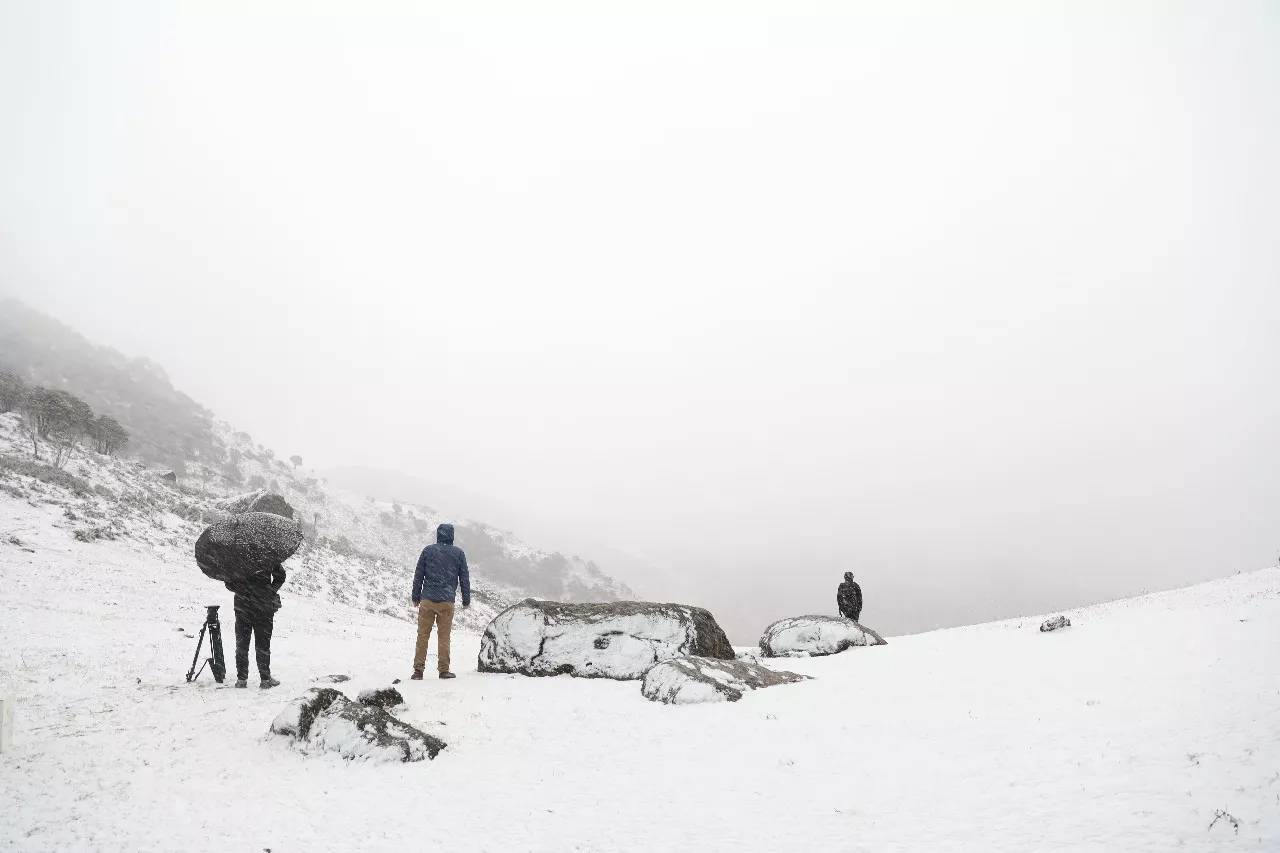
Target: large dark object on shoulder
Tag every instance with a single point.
(216, 663)
(247, 544)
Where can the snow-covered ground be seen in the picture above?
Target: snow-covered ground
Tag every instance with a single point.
(1127, 731)
(356, 549)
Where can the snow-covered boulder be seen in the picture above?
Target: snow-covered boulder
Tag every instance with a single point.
(246, 544)
(296, 718)
(386, 697)
(259, 501)
(324, 720)
(685, 680)
(619, 639)
(811, 636)
(1054, 623)
(366, 733)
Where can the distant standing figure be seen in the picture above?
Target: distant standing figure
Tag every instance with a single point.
(849, 598)
(256, 602)
(441, 567)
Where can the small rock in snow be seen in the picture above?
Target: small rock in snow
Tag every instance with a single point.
(324, 720)
(296, 718)
(1055, 623)
(685, 680)
(386, 698)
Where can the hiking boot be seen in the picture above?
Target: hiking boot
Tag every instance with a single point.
(242, 682)
(268, 683)
(417, 675)
(447, 675)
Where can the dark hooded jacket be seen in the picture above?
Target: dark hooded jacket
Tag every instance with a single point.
(849, 597)
(440, 569)
(258, 594)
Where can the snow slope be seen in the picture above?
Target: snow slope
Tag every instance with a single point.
(358, 551)
(1127, 731)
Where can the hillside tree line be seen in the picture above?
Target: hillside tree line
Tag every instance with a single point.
(59, 420)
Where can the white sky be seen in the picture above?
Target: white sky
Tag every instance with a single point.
(978, 300)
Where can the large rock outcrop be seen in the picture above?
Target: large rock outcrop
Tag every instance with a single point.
(686, 680)
(259, 501)
(619, 639)
(246, 544)
(324, 720)
(812, 636)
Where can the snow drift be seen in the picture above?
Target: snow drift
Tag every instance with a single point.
(812, 636)
(619, 640)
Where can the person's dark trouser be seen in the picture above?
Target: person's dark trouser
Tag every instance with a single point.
(259, 624)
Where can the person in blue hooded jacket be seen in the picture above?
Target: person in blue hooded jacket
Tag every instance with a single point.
(442, 567)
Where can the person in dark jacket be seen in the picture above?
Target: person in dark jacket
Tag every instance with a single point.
(441, 568)
(256, 602)
(849, 598)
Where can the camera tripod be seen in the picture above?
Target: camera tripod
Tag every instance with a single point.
(217, 664)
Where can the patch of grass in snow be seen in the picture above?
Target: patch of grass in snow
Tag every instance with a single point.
(17, 465)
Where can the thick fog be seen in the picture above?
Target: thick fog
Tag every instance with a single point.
(980, 304)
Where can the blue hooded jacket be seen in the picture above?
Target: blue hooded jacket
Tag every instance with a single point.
(440, 567)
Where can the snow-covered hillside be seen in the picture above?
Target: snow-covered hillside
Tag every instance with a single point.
(1129, 730)
(389, 531)
(358, 551)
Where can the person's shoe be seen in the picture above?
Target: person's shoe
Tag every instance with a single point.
(242, 682)
(417, 675)
(268, 683)
(447, 675)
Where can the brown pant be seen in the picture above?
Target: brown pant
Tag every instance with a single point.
(441, 613)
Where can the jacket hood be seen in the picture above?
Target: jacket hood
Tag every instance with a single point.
(848, 576)
(444, 534)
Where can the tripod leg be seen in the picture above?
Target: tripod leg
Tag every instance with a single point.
(219, 664)
(191, 673)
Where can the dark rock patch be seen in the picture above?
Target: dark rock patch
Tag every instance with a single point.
(296, 719)
(1054, 623)
(385, 698)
